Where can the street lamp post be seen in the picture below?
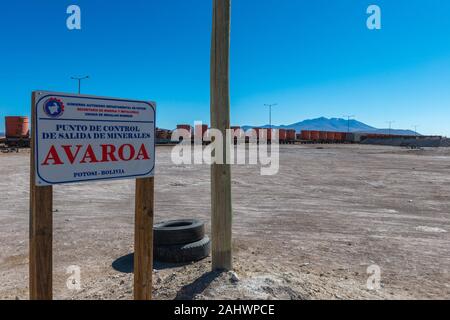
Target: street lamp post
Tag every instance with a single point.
(79, 82)
(270, 112)
(390, 126)
(348, 121)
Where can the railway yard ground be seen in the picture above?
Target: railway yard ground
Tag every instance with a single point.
(310, 232)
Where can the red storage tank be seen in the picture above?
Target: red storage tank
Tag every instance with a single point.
(306, 135)
(315, 135)
(291, 134)
(17, 127)
(331, 136)
(323, 136)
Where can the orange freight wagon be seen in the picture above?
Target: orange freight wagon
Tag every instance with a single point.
(331, 136)
(340, 137)
(17, 127)
(264, 134)
(188, 128)
(282, 135)
(315, 135)
(306, 135)
(185, 127)
(291, 135)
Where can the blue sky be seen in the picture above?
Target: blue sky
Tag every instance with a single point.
(314, 58)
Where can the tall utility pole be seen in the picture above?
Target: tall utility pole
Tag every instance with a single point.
(270, 112)
(415, 130)
(79, 81)
(390, 126)
(348, 122)
(221, 209)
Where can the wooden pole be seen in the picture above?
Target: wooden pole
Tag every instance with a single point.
(143, 239)
(41, 229)
(221, 210)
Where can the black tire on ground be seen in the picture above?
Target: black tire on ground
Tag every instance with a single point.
(178, 232)
(183, 253)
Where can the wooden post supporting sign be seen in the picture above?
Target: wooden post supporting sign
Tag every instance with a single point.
(41, 231)
(143, 239)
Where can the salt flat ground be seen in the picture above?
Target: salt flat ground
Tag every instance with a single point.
(309, 232)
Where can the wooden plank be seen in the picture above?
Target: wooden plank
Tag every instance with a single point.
(143, 239)
(221, 210)
(41, 231)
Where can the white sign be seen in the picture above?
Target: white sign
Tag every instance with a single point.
(86, 138)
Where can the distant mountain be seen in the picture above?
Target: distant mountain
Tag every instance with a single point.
(336, 124)
(396, 132)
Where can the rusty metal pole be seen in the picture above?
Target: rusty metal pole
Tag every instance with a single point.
(221, 215)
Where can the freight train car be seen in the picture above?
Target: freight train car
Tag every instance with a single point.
(340, 137)
(238, 134)
(305, 135)
(187, 131)
(163, 136)
(314, 136)
(200, 132)
(17, 133)
(310, 136)
(291, 135)
(282, 135)
(263, 135)
(331, 137)
(285, 136)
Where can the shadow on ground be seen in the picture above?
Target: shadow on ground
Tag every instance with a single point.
(189, 291)
(125, 264)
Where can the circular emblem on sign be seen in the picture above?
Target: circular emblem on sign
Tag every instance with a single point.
(54, 107)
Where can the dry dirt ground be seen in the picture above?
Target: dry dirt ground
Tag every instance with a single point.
(309, 232)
